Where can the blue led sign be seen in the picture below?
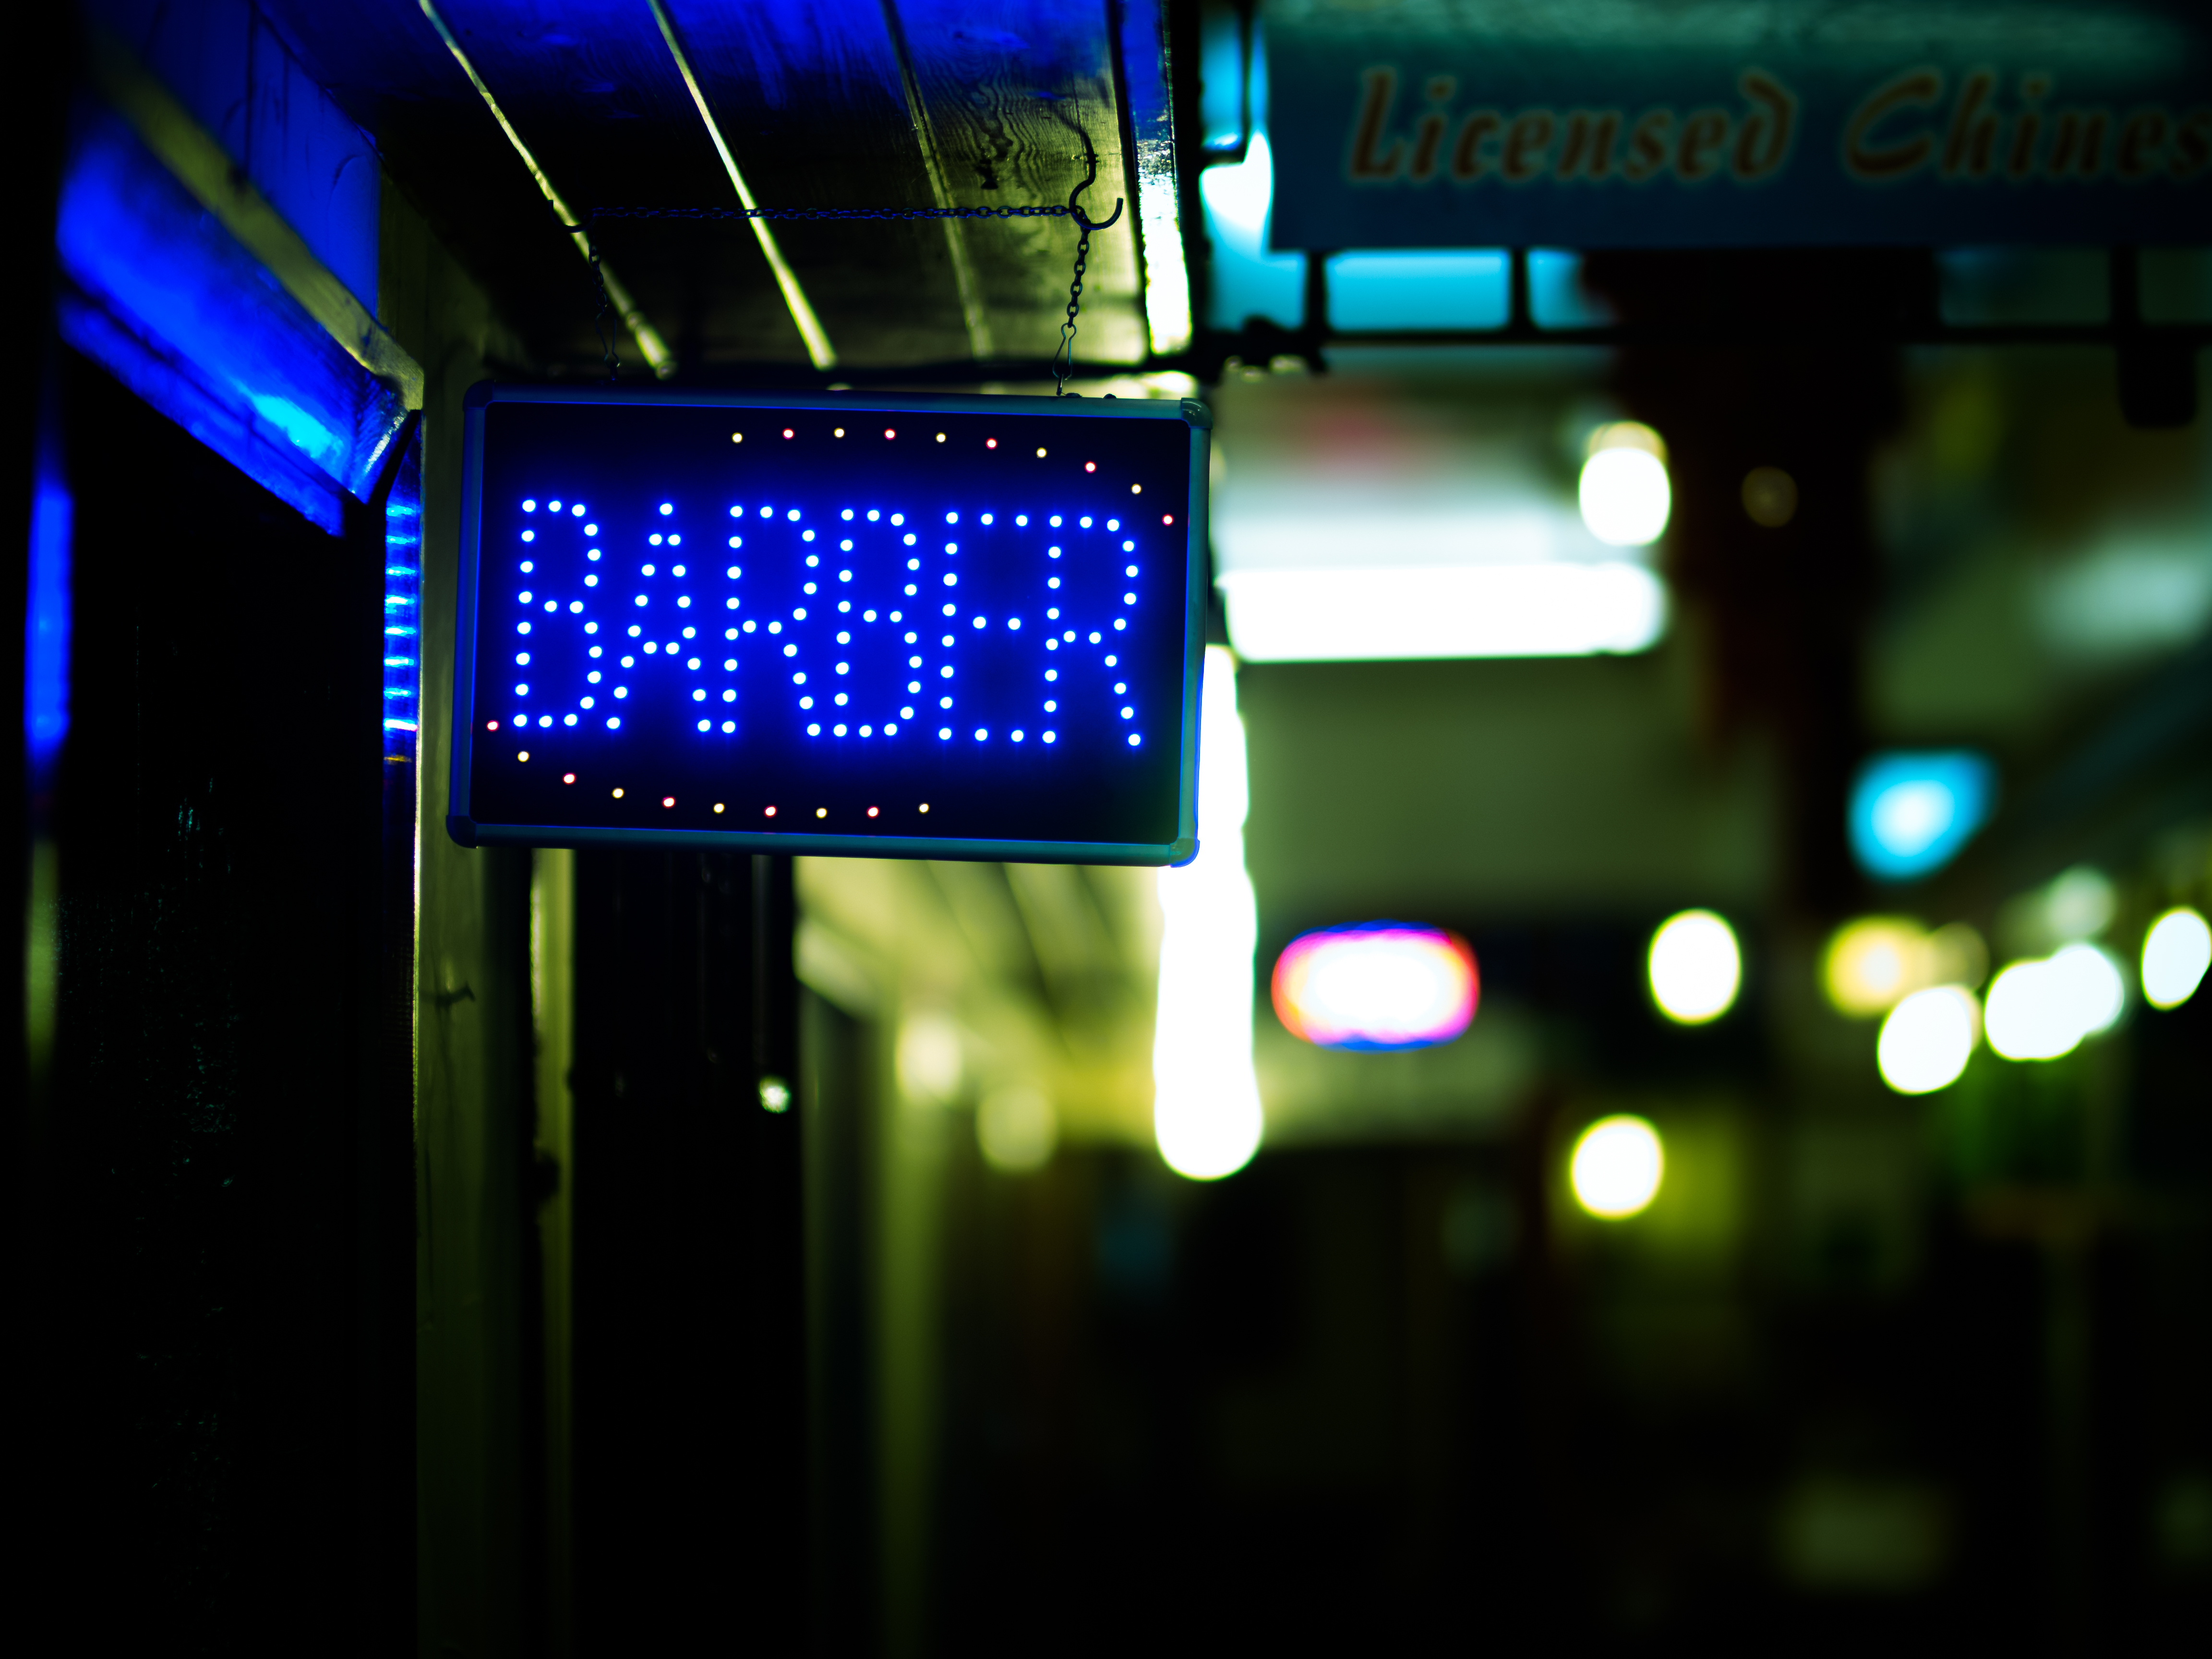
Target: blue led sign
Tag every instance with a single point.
(934, 627)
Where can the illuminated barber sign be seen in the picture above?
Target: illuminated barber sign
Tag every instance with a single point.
(938, 627)
(1455, 122)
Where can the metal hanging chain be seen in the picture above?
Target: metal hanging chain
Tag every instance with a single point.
(1063, 359)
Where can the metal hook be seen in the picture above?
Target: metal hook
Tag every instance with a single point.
(1085, 219)
(1090, 177)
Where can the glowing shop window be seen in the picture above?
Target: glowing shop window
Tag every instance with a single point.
(1379, 985)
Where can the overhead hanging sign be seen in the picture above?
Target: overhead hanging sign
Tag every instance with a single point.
(940, 627)
(1601, 124)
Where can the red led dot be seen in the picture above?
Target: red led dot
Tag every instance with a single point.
(787, 432)
(491, 725)
(888, 433)
(1167, 517)
(1090, 466)
(668, 800)
(771, 811)
(568, 777)
(990, 443)
(871, 811)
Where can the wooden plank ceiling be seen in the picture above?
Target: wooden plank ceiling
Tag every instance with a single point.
(830, 103)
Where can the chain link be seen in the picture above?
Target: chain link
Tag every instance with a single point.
(833, 215)
(1063, 360)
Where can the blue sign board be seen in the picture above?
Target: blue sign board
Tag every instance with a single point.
(943, 627)
(1603, 124)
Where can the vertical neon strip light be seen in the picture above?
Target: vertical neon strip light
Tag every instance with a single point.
(1206, 1107)
(45, 724)
(403, 608)
(47, 625)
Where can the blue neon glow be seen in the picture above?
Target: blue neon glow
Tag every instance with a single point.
(1913, 812)
(877, 664)
(169, 302)
(403, 596)
(47, 625)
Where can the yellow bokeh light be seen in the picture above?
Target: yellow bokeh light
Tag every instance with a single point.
(1873, 964)
(1617, 1166)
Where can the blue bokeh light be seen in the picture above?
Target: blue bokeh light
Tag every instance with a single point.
(1911, 812)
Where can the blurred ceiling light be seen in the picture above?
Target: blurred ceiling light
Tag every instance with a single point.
(929, 1057)
(2176, 951)
(2080, 903)
(1927, 1039)
(1626, 435)
(2040, 1009)
(1018, 1130)
(1874, 963)
(1617, 1166)
(1956, 955)
(1696, 967)
(1560, 609)
(1246, 279)
(1625, 497)
(1911, 814)
(1376, 985)
(1770, 496)
(1205, 1106)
